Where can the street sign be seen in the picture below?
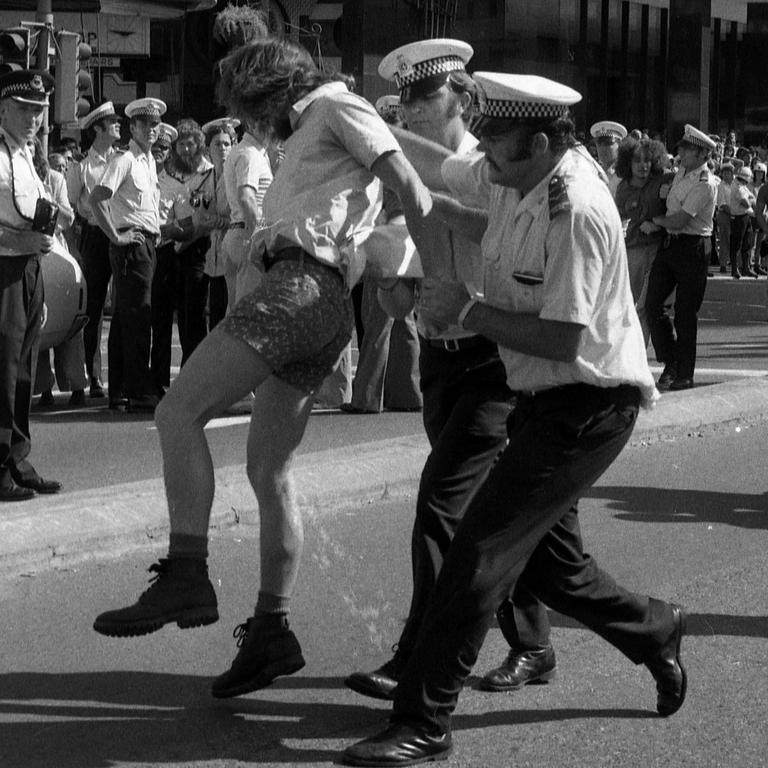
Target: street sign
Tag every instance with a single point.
(105, 62)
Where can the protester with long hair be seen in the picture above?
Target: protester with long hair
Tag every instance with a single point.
(281, 340)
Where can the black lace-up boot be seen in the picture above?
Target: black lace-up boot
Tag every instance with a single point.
(180, 592)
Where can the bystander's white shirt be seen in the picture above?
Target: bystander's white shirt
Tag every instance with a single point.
(571, 267)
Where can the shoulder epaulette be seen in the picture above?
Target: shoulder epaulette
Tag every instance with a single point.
(704, 176)
(558, 196)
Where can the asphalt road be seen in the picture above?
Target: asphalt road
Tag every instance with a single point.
(685, 520)
(93, 447)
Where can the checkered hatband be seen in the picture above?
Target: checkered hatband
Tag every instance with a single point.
(514, 110)
(408, 74)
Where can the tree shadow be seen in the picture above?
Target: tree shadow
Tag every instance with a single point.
(684, 505)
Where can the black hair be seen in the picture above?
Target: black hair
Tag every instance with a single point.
(654, 150)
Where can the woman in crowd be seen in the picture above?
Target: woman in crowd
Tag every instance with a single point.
(220, 137)
(640, 196)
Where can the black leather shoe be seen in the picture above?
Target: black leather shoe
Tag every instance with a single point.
(399, 744)
(668, 375)
(77, 399)
(379, 684)
(117, 401)
(349, 408)
(145, 404)
(521, 668)
(36, 484)
(682, 383)
(15, 492)
(667, 668)
(96, 389)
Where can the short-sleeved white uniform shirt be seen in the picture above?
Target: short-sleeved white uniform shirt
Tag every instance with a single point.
(131, 176)
(564, 262)
(694, 192)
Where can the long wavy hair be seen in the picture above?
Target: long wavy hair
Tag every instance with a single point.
(655, 151)
(261, 80)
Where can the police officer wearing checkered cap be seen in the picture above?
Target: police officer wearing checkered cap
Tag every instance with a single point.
(102, 127)
(466, 399)
(558, 303)
(683, 263)
(607, 135)
(125, 206)
(23, 101)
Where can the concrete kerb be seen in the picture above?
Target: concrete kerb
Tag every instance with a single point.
(56, 531)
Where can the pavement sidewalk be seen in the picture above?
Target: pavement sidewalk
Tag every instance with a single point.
(54, 531)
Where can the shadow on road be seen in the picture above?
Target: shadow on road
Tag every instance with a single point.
(99, 719)
(699, 624)
(95, 720)
(684, 505)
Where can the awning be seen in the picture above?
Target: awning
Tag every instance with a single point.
(156, 9)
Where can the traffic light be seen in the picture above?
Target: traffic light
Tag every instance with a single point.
(73, 82)
(15, 49)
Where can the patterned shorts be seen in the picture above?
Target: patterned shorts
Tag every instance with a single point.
(299, 320)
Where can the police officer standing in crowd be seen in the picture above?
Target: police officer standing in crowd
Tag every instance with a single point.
(463, 382)
(683, 261)
(167, 288)
(559, 304)
(125, 206)
(23, 101)
(607, 135)
(103, 125)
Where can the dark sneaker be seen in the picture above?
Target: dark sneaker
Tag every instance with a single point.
(381, 683)
(180, 592)
(268, 649)
(521, 668)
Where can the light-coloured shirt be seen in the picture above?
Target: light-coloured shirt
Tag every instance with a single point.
(214, 261)
(132, 178)
(693, 192)
(324, 196)
(723, 194)
(463, 264)
(82, 179)
(564, 262)
(247, 165)
(742, 200)
(20, 187)
(173, 201)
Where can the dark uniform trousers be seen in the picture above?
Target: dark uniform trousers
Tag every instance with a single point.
(132, 269)
(166, 299)
(682, 265)
(194, 286)
(466, 406)
(94, 255)
(21, 307)
(521, 528)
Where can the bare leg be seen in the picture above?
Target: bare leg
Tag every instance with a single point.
(280, 414)
(220, 372)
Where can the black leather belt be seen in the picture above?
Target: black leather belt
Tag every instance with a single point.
(149, 235)
(458, 345)
(683, 236)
